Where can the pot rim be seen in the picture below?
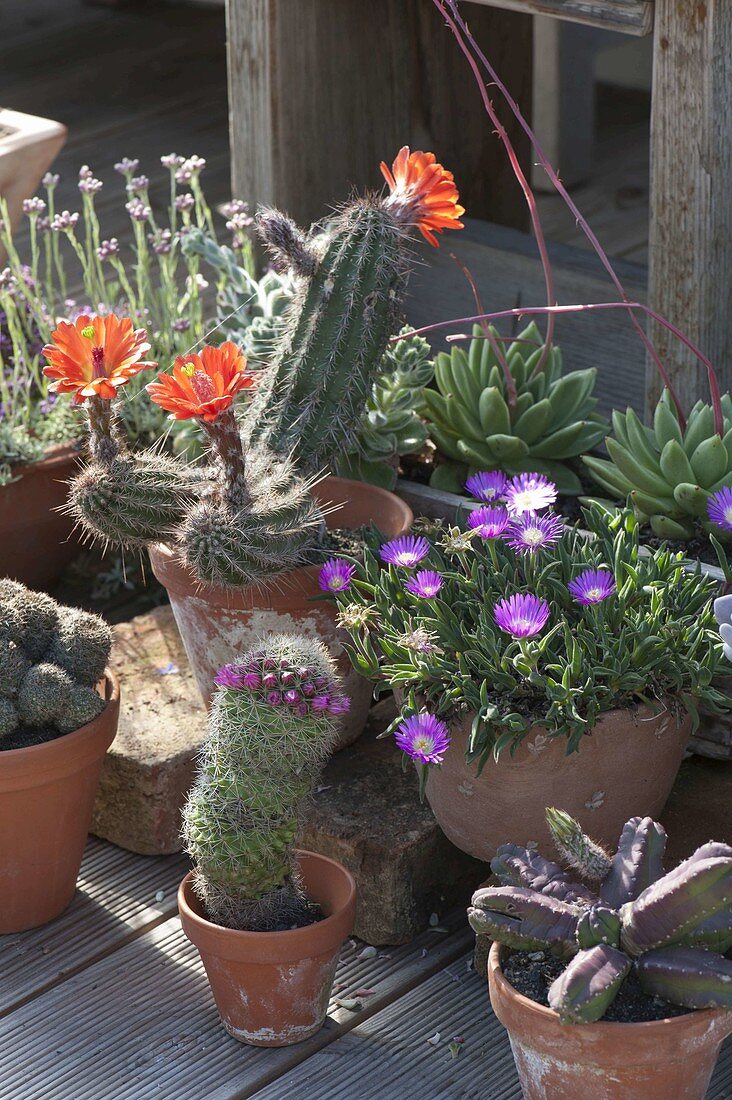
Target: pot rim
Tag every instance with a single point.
(58, 454)
(542, 1013)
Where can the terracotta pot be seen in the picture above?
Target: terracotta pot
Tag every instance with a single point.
(36, 541)
(218, 624)
(662, 1060)
(272, 988)
(46, 798)
(626, 766)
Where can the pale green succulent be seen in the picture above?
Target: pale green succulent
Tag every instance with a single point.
(476, 426)
(668, 473)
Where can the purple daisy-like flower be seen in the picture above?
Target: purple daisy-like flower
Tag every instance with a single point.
(719, 508)
(592, 586)
(529, 533)
(336, 575)
(522, 616)
(490, 522)
(426, 583)
(423, 737)
(407, 551)
(488, 485)
(530, 493)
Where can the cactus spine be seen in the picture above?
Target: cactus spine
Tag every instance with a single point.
(272, 725)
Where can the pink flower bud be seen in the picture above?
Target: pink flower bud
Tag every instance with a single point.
(320, 702)
(274, 698)
(307, 689)
(270, 680)
(287, 678)
(252, 680)
(302, 710)
(292, 696)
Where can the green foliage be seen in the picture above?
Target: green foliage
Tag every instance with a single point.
(50, 659)
(271, 729)
(476, 426)
(670, 929)
(668, 474)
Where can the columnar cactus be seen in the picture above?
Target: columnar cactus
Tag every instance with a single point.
(671, 929)
(272, 725)
(51, 658)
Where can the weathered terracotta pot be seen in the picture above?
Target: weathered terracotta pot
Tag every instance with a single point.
(46, 798)
(272, 988)
(36, 540)
(626, 766)
(218, 624)
(662, 1060)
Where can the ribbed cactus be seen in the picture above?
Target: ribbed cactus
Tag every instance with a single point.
(582, 854)
(669, 474)
(51, 657)
(670, 929)
(479, 420)
(272, 725)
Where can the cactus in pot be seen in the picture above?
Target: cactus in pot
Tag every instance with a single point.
(520, 416)
(273, 723)
(670, 929)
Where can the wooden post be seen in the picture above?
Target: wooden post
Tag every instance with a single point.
(321, 91)
(690, 278)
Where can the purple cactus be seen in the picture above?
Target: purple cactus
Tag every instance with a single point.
(525, 920)
(687, 976)
(516, 866)
(638, 862)
(589, 985)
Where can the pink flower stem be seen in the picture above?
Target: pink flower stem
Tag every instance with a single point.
(489, 334)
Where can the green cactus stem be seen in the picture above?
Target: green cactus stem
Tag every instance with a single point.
(582, 854)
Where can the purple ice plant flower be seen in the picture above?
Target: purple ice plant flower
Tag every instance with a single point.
(489, 522)
(336, 575)
(529, 533)
(529, 493)
(407, 551)
(423, 737)
(521, 615)
(488, 485)
(592, 586)
(425, 583)
(719, 508)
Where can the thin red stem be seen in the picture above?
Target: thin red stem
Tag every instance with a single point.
(489, 334)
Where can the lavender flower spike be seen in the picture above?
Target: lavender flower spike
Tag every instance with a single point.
(529, 533)
(488, 485)
(426, 583)
(423, 737)
(336, 575)
(530, 493)
(489, 523)
(719, 508)
(592, 586)
(407, 551)
(522, 616)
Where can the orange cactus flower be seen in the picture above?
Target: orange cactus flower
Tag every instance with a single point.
(202, 386)
(94, 356)
(423, 193)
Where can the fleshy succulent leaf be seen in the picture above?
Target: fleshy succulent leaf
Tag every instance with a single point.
(524, 920)
(589, 985)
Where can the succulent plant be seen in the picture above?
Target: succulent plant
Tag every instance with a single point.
(477, 424)
(672, 929)
(273, 723)
(51, 658)
(668, 473)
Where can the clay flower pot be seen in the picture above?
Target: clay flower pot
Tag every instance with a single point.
(36, 541)
(626, 766)
(219, 624)
(659, 1060)
(47, 794)
(272, 988)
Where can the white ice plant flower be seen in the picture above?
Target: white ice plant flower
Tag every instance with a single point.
(723, 615)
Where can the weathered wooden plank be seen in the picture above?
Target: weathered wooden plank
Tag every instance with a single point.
(114, 902)
(627, 16)
(691, 204)
(142, 1023)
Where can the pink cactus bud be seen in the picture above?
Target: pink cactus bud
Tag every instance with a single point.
(302, 710)
(320, 702)
(274, 698)
(287, 678)
(270, 680)
(292, 696)
(307, 689)
(252, 680)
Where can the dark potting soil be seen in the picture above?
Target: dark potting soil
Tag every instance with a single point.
(338, 541)
(532, 972)
(27, 736)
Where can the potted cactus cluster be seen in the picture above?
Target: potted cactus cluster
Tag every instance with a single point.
(267, 919)
(618, 977)
(59, 704)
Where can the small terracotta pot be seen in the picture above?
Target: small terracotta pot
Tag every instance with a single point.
(217, 625)
(36, 541)
(626, 766)
(669, 1059)
(46, 798)
(272, 988)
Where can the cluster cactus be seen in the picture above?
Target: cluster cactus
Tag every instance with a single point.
(273, 723)
(249, 515)
(522, 415)
(667, 471)
(51, 658)
(672, 929)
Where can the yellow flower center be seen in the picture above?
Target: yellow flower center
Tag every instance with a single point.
(424, 743)
(533, 536)
(594, 594)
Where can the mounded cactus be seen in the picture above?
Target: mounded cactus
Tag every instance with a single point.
(272, 725)
(668, 473)
(50, 659)
(478, 424)
(671, 929)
